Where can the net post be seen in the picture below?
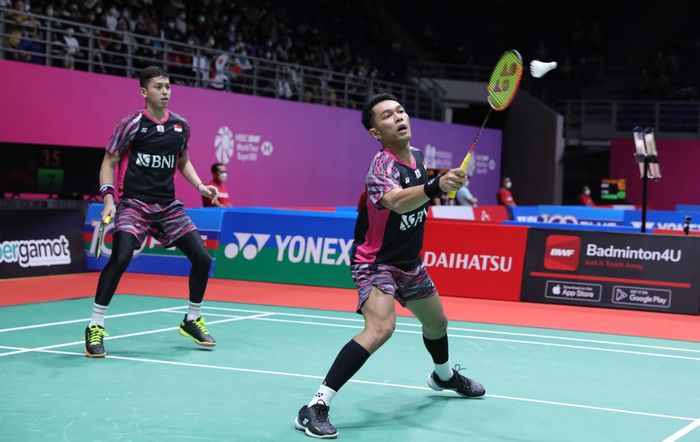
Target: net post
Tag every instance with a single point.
(645, 183)
(645, 155)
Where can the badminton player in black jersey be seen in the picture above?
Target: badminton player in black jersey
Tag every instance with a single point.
(148, 146)
(386, 263)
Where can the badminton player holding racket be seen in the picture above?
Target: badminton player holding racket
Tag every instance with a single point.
(386, 263)
(148, 145)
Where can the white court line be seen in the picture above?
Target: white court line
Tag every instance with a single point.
(73, 321)
(482, 338)
(335, 318)
(129, 335)
(528, 335)
(683, 431)
(356, 381)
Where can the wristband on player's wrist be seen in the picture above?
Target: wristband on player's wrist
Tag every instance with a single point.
(106, 189)
(432, 188)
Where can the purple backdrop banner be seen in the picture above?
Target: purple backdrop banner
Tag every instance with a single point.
(279, 153)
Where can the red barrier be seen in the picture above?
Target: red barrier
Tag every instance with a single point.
(475, 260)
(674, 232)
(490, 214)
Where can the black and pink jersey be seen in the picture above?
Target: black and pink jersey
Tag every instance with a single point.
(383, 236)
(148, 152)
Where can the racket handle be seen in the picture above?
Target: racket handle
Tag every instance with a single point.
(465, 165)
(107, 219)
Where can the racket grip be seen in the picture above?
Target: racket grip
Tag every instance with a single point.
(107, 219)
(465, 166)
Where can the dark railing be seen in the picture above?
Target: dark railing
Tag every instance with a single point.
(449, 71)
(592, 120)
(57, 42)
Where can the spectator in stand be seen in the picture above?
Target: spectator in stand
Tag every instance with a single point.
(585, 197)
(504, 197)
(33, 42)
(71, 49)
(219, 176)
(15, 45)
(464, 197)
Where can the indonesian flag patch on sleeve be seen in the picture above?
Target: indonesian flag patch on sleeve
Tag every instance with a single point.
(177, 127)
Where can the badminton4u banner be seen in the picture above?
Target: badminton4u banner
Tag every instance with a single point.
(618, 270)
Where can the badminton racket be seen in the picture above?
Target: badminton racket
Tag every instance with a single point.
(101, 235)
(501, 89)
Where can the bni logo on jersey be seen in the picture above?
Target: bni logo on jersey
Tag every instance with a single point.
(155, 161)
(562, 252)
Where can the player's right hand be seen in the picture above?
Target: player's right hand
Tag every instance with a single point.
(109, 209)
(453, 180)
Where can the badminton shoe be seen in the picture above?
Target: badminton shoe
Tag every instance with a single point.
(197, 331)
(462, 385)
(94, 346)
(314, 421)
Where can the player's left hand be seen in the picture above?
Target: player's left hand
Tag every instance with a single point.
(210, 192)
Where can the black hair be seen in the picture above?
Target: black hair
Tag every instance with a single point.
(215, 166)
(368, 114)
(151, 72)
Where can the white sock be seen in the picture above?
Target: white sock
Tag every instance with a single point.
(98, 315)
(194, 311)
(324, 394)
(444, 371)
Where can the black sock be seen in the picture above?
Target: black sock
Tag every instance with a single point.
(438, 349)
(350, 359)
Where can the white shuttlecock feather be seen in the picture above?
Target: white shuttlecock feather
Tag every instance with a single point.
(539, 68)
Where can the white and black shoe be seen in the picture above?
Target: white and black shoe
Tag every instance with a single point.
(462, 385)
(314, 421)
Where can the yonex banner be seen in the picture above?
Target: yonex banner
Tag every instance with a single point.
(311, 248)
(619, 270)
(663, 220)
(475, 260)
(40, 242)
(152, 257)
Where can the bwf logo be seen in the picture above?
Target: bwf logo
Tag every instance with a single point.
(223, 143)
(249, 249)
(562, 252)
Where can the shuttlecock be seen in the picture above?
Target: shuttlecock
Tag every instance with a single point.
(539, 68)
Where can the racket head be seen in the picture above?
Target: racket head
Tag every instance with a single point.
(100, 238)
(505, 80)
(101, 235)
